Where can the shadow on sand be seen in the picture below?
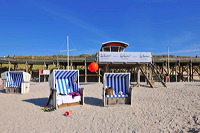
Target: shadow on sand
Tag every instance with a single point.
(88, 83)
(43, 101)
(38, 101)
(3, 91)
(93, 101)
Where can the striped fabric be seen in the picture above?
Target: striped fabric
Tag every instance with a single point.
(66, 81)
(14, 79)
(117, 95)
(119, 82)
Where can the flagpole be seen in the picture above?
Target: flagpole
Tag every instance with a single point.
(67, 41)
(168, 67)
(67, 50)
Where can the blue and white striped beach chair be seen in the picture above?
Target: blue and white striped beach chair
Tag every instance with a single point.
(120, 83)
(64, 87)
(16, 81)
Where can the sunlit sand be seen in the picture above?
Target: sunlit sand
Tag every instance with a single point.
(172, 109)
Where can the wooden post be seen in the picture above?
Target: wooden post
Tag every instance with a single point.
(99, 75)
(85, 71)
(180, 72)
(150, 72)
(39, 76)
(198, 69)
(138, 75)
(191, 71)
(176, 71)
(9, 65)
(26, 67)
(163, 72)
(47, 66)
(188, 69)
(71, 65)
(15, 67)
(147, 72)
(31, 69)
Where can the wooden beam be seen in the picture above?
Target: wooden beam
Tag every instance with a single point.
(146, 77)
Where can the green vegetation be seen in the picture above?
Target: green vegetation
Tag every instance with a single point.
(51, 56)
(171, 56)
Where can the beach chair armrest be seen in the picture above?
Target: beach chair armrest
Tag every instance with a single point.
(131, 94)
(81, 90)
(104, 96)
(131, 89)
(104, 91)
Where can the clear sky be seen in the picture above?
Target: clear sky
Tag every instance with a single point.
(40, 27)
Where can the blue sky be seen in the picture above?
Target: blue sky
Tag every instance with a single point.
(39, 27)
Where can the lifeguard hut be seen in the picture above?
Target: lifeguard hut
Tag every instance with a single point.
(112, 58)
(113, 46)
(112, 52)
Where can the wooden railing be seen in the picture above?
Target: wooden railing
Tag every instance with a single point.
(42, 61)
(174, 59)
(89, 59)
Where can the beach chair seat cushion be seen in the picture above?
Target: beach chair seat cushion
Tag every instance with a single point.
(125, 95)
(62, 99)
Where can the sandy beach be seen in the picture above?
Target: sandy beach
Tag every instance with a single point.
(155, 110)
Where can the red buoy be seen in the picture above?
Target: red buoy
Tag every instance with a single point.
(93, 67)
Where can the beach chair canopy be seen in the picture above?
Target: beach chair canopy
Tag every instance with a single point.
(64, 81)
(15, 78)
(120, 82)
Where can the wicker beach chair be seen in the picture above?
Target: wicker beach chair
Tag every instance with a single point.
(116, 89)
(16, 81)
(64, 89)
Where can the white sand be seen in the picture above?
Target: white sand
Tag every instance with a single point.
(155, 110)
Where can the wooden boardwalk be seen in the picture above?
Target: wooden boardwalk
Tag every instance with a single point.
(178, 69)
(81, 60)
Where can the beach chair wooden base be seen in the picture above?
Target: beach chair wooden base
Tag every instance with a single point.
(52, 101)
(13, 90)
(69, 104)
(117, 100)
